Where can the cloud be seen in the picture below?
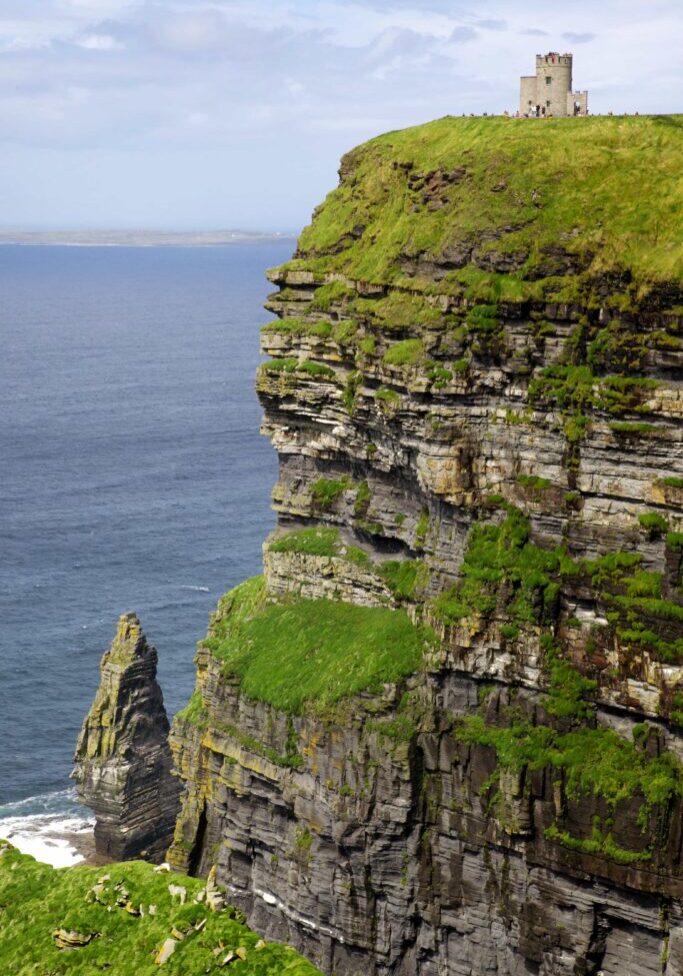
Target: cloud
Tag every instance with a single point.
(295, 88)
(98, 42)
(274, 92)
(98, 8)
(190, 33)
(462, 34)
(395, 42)
(399, 50)
(492, 24)
(577, 38)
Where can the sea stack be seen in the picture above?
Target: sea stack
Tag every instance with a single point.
(123, 761)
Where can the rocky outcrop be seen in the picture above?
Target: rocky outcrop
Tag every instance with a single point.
(122, 758)
(476, 401)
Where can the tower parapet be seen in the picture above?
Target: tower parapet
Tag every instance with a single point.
(549, 91)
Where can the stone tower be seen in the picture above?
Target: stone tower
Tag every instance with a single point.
(549, 91)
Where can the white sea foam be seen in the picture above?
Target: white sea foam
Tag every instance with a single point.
(51, 835)
(197, 589)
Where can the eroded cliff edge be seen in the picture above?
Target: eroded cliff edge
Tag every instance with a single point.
(441, 735)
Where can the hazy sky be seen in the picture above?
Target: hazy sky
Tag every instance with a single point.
(193, 114)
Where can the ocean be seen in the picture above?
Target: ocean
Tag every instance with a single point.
(133, 477)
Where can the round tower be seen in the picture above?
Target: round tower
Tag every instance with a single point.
(553, 82)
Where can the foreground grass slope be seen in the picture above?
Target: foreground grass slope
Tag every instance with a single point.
(605, 191)
(125, 921)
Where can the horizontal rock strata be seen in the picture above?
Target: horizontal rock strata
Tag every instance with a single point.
(476, 402)
(123, 761)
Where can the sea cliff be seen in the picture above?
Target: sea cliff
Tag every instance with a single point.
(442, 733)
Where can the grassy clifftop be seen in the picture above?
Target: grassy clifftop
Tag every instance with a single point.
(516, 207)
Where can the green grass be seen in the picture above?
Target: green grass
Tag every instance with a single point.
(326, 491)
(500, 553)
(624, 345)
(599, 843)
(500, 557)
(353, 381)
(368, 345)
(319, 540)
(594, 760)
(387, 396)
(440, 376)
(405, 578)
(632, 427)
(484, 320)
(362, 501)
(37, 900)
(292, 365)
(325, 650)
(653, 606)
(194, 712)
(409, 352)
(336, 292)
(575, 387)
(421, 529)
(501, 560)
(319, 370)
(533, 481)
(609, 189)
(298, 327)
(398, 312)
(287, 364)
(673, 482)
(653, 523)
(569, 386)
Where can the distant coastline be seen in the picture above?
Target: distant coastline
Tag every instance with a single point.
(140, 238)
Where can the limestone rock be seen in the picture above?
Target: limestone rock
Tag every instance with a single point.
(64, 939)
(179, 892)
(398, 407)
(123, 762)
(215, 898)
(165, 952)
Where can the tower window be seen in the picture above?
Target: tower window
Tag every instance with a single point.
(548, 80)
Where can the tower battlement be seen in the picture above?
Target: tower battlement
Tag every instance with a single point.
(549, 91)
(554, 58)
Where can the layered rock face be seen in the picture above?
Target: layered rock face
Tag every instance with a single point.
(475, 395)
(123, 760)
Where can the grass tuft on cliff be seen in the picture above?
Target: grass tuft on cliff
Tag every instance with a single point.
(36, 901)
(541, 204)
(311, 651)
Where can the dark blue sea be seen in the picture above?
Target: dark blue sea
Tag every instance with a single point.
(132, 477)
